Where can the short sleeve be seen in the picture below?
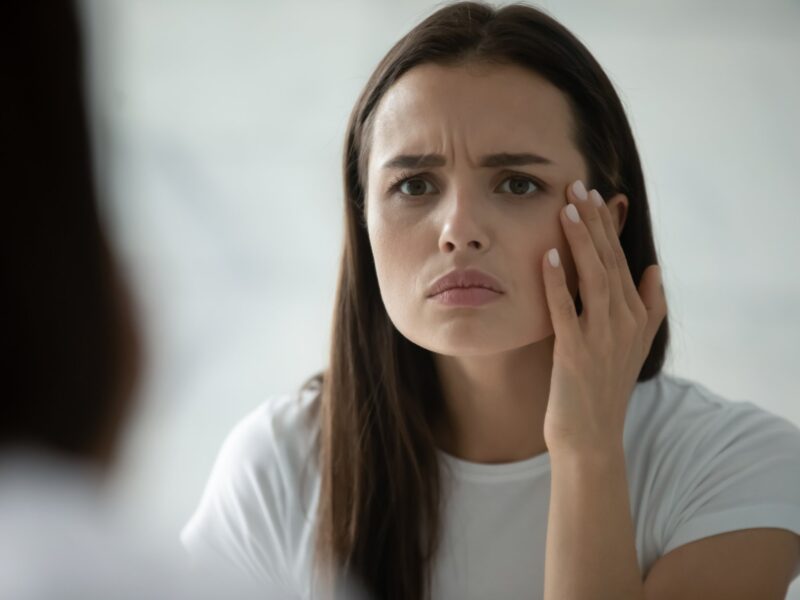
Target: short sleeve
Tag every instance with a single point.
(239, 523)
(743, 473)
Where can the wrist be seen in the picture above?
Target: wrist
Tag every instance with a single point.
(588, 458)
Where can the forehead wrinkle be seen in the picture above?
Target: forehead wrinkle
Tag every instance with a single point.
(425, 104)
(448, 141)
(488, 155)
(454, 139)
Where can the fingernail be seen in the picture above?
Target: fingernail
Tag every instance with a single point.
(579, 190)
(572, 213)
(598, 199)
(552, 256)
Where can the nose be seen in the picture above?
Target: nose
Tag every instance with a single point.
(463, 228)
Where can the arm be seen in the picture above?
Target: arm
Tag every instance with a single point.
(590, 550)
(746, 564)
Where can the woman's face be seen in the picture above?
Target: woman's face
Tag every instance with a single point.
(460, 213)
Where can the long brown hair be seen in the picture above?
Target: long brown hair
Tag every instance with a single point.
(380, 495)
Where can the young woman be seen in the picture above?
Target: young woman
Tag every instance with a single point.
(494, 421)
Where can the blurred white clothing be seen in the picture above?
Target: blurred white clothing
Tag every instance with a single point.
(60, 539)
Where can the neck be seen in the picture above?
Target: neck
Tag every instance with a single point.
(495, 404)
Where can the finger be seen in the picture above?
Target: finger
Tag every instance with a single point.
(592, 277)
(628, 286)
(617, 299)
(590, 214)
(559, 300)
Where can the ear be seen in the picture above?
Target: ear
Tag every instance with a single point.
(618, 205)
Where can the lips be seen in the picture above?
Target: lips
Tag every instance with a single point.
(465, 278)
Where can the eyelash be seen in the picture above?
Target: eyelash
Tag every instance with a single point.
(394, 186)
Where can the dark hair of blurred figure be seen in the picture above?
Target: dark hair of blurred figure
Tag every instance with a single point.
(70, 352)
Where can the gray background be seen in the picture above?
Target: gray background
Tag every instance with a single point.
(218, 130)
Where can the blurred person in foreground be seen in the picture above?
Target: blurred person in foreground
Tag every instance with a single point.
(71, 350)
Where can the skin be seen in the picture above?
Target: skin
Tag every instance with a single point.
(494, 361)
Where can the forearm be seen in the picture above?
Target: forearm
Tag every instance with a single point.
(591, 550)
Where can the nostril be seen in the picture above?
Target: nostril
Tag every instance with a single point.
(473, 244)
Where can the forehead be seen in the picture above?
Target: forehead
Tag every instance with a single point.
(480, 108)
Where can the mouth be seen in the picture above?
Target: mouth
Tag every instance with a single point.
(466, 296)
(465, 287)
(465, 279)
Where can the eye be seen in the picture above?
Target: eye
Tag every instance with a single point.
(519, 185)
(409, 186)
(416, 186)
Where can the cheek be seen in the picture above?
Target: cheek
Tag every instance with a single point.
(398, 261)
(534, 254)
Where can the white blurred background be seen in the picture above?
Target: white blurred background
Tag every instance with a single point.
(218, 132)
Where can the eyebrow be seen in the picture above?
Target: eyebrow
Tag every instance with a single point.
(503, 159)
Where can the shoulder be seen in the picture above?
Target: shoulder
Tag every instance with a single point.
(702, 464)
(279, 432)
(669, 411)
(262, 486)
(270, 447)
(683, 432)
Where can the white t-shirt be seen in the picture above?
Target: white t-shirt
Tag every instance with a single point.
(697, 465)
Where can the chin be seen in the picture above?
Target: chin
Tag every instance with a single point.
(476, 337)
(462, 343)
